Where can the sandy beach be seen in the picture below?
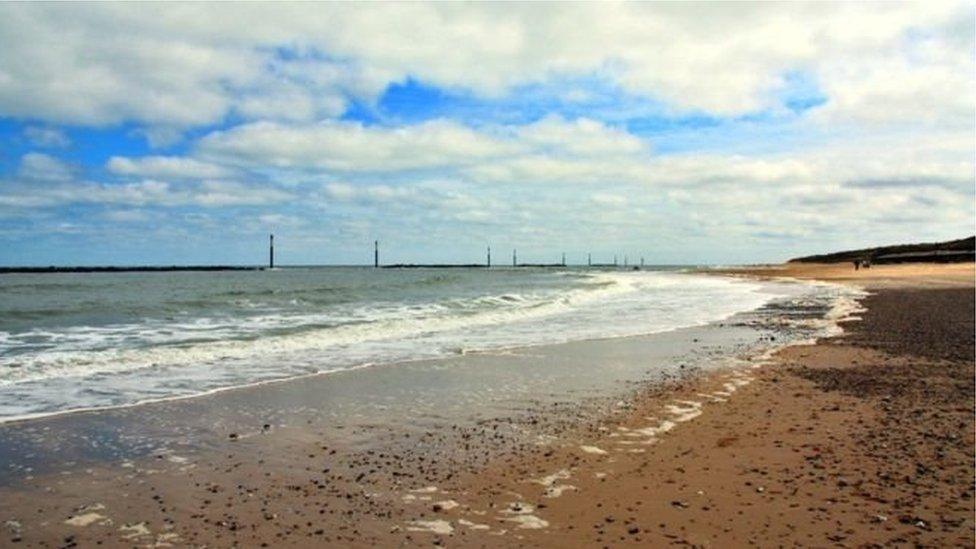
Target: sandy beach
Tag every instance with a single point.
(860, 440)
(487, 274)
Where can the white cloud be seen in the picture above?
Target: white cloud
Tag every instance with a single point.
(281, 220)
(351, 146)
(606, 199)
(550, 149)
(127, 216)
(210, 194)
(892, 143)
(192, 65)
(46, 137)
(581, 138)
(43, 167)
(171, 167)
(340, 191)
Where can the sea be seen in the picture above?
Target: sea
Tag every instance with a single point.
(82, 341)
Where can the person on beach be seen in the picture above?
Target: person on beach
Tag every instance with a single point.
(857, 264)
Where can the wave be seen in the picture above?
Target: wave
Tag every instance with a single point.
(84, 350)
(54, 369)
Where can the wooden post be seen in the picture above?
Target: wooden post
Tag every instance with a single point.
(271, 253)
(376, 253)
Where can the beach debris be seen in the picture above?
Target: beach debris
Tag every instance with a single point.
(167, 539)
(442, 527)
(554, 490)
(445, 505)
(473, 525)
(86, 516)
(529, 522)
(557, 490)
(135, 530)
(522, 514)
(593, 450)
(684, 410)
(14, 527)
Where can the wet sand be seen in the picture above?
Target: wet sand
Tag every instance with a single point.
(865, 439)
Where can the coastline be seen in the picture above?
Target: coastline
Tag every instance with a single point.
(700, 473)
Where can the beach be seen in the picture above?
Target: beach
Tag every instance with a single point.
(487, 275)
(736, 431)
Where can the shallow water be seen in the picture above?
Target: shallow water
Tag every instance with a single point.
(81, 341)
(377, 406)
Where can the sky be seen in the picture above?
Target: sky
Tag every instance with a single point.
(684, 133)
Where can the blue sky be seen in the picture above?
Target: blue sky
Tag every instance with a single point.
(684, 133)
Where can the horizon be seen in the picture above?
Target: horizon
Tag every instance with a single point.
(691, 134)
(598, 262)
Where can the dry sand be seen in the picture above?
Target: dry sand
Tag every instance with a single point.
(862, 440)
(914, 275)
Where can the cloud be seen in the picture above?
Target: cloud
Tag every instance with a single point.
(192, 66)
(46, 137)
(549, 148)
(580, 138)
(731, 127)
(127, 216)
(166, 167)
(208, 194)
(43, 167)
(604, 199)
(281, 220)
(902, 182)
(350, 146)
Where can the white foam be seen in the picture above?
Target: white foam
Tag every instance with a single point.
(687, 412)
(557, 490)
(548, 480)
(447, 504)
(133, 531)
(86, 367)
(554, 490)
(87, 516)
(473, 525)
(529, 522)
(442, 527)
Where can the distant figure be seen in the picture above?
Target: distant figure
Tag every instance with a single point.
(857, 264)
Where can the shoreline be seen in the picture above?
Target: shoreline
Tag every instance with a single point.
(502, 349)
(568, 376)
(268, 349)
(528, 491)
